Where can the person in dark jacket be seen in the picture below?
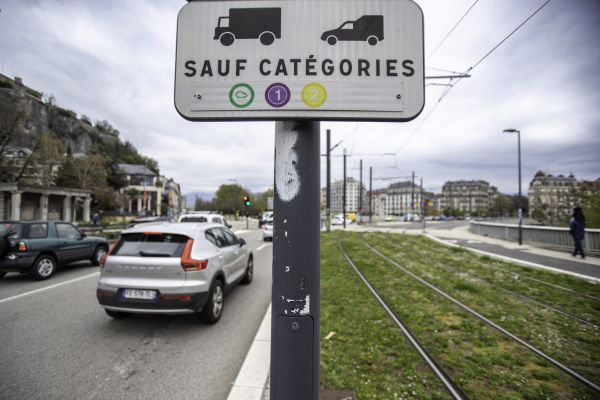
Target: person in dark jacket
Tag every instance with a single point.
(578, 231)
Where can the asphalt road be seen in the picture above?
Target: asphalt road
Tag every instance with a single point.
(58, 343)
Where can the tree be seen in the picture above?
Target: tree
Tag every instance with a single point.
(502, 205)
(12, 117)
(47, 157)
(591, 210)
(228, 198)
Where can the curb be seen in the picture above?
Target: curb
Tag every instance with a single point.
(514, 260)
(252, 378)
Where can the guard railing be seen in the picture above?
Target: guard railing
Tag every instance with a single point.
(541, 236)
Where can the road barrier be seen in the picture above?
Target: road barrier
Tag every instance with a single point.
(541, 236)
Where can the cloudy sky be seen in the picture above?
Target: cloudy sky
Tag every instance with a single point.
(114, 60)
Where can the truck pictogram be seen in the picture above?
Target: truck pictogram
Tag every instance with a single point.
(367, 28)
(263, 24)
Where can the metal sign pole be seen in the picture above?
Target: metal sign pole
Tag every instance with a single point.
(295, 326)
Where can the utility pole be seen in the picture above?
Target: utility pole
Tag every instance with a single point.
(422, 207)
(344, 193)
(412, 195)
(328, 192)
(370, 194)
(360, 199)
(295, 315)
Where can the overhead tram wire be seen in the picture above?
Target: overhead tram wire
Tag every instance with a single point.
(445, 93)
(451, 30)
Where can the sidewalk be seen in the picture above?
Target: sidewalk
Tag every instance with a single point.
(252, 382)
(527, 254)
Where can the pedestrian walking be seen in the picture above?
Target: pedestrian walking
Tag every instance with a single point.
(578, 231)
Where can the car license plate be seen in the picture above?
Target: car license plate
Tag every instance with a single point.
(139, 294)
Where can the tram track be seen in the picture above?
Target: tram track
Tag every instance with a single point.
(512, 292)
(452, 388)
(490, 323)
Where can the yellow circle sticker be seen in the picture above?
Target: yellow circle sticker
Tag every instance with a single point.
(314, 95)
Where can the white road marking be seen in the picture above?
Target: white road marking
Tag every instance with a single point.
(263, 246)
(50, 287)
(239, 232)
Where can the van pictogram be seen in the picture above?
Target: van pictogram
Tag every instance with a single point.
(263, 24)
(367, 28)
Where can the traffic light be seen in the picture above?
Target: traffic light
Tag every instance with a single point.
(247, 201)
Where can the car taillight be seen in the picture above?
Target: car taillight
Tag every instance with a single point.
(188, 263)
(102, 260)
(22, 247)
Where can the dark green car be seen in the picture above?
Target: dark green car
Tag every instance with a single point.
(40, 247)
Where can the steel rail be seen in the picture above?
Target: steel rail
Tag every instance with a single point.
(452, 387)
(515, 338)
(517, 294)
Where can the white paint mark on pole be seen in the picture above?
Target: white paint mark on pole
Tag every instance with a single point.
(287, 179)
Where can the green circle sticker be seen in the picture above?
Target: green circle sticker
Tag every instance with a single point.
(314, 95)
(241, 95)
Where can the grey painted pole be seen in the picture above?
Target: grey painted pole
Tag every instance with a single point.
(295, 315)
(520, 208)
(344, 193)
(370, 194)
(328, 194)
(360, 192)
(412, 196)
(423, 207)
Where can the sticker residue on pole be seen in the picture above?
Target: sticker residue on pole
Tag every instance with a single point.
(287, 179)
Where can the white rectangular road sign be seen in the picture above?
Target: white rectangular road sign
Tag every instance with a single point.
(300, 59)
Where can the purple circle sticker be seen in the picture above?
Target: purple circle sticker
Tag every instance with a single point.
(277, 95)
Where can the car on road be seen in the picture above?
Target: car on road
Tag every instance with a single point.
(204, 217)
(267, 230)
(147, 220)
(179, 268)
(265, 217)
(41, 247)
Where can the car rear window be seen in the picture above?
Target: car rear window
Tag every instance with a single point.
(193, 219)
(11, 230)
(150, 245)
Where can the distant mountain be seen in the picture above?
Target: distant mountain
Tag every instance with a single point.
(191, 197)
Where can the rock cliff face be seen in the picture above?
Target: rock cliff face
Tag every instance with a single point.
(77, 134)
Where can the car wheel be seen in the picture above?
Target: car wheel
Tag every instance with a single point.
(249, 272)
(118, 314)
(372, 40)
(227, 39)
(98, 254)
(267, 38)
(214, 306)
(332, 40)
(43, 267)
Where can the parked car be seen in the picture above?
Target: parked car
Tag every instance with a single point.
(40, 247)
(268, 231)
(204, 217)
(178, 268)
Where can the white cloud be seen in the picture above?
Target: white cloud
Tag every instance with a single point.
(115, 61)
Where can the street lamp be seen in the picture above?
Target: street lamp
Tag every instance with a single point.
(520, 209)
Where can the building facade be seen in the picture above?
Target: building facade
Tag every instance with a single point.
(27, 203)
(397, 199)
(553, 197)
(353, 193)
(472, 197)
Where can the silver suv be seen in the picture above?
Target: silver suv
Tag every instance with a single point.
(176, 268)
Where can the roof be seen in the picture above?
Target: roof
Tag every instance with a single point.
(135, 169)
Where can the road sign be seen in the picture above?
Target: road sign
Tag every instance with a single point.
(300, 59)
